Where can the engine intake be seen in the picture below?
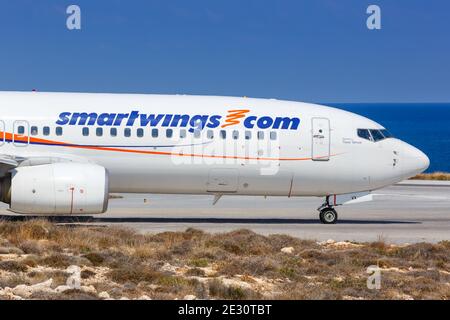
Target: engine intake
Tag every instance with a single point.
(58, 188)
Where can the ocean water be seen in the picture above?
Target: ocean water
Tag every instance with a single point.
(425, 126)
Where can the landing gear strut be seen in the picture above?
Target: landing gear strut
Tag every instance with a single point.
(327, 213)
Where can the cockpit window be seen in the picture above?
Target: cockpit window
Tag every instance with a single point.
(386, 134)
(377, 135)
(365, 134)
(374, 134)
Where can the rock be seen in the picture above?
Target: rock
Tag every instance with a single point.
(10, 250)
(9, 295)
(22, 291)
(330, 241)
(144, 297)
(124, 298)
(62, 289)
(89, 289)
(129, 286)
(168, 268)
(44, 285)
(25, 291)
(116, 292)
(288, 250)
(104, 295)
(190, 297)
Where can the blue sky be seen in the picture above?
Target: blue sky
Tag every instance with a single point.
(315, 50)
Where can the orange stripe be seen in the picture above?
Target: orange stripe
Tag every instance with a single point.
(9, 136)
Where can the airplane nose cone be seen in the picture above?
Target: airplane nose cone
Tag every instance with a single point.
(414, 161)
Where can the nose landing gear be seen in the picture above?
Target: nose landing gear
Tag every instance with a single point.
(327, 213)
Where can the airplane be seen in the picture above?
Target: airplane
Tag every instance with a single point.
(64, 153)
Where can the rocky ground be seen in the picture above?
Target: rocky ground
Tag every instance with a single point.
(40, 260)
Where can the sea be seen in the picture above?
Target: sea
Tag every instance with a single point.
(424, 125)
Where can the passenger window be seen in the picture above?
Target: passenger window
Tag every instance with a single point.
(99, 132)
(59, 131)
(197, 133)
(34, 131)
(210, 134)
(21, 130)
(235, 134)
(183, 133)
(273, 135)
(223, 134)
(376, 135)
(248, 135)
(155, 133)
(127, 132)
(260, 135)
(365, 134)
(140, 132)
(113, 132)
(85, 131)
(46, 131)
(169, 133)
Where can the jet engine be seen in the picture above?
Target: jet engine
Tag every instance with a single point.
(56, 189)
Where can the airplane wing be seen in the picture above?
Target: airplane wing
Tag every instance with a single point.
(9, 162)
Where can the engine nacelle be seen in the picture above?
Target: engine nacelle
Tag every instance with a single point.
(58, 188)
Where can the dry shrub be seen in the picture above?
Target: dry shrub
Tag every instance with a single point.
(58, 260)
(242, 242)
(199, 262)
(31, 247)
(13, 266)
(440, 176)
(424, 254)
(110, 258)
(195, 272)
(96, 258)
(31, 261)
(87, 274)
(208, 255)
(144, 252)
(181, 249)
(255, 266)
(218, 290)
(14, 280)
(134, 274)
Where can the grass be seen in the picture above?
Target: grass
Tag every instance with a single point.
(235, 265)
(437, 176)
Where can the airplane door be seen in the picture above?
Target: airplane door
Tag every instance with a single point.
(320, 139)
(21, 136)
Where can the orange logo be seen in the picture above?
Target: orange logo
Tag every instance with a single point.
(234, 116)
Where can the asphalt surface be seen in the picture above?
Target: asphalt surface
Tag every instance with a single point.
(407, 213)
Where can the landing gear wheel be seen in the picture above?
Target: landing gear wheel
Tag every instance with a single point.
(328, 216)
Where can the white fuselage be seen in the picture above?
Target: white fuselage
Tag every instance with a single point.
(202, 145)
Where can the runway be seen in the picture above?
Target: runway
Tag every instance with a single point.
(406, 213)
